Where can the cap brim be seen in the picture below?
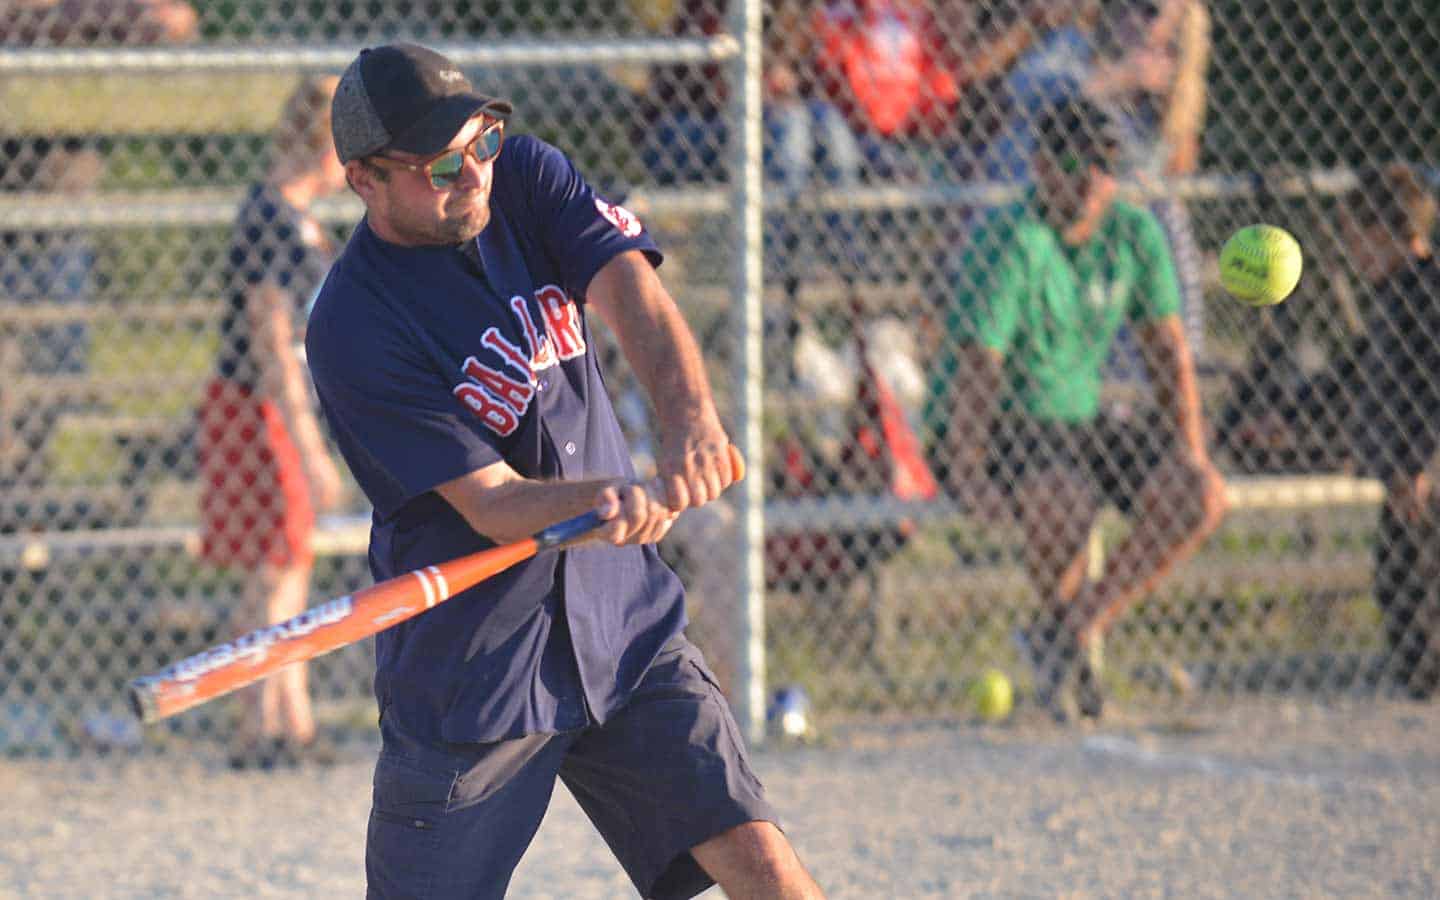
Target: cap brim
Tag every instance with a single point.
(439, 126)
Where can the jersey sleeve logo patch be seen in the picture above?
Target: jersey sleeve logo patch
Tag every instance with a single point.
(623, 219)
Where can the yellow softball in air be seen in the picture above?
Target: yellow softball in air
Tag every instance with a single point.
(1260, 264)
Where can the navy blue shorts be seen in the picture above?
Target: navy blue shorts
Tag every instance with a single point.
(667, 772)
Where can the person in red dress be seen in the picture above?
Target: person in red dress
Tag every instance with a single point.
(264, 465)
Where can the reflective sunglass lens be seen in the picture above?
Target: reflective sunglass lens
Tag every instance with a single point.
(487, 145)
(446, 170)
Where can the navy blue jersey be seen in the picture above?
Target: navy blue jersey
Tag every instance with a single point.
(275, 242)
(432, 362)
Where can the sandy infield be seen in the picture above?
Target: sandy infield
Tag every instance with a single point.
(1262, 799)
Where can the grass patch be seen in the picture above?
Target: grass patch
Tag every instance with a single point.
(167, 368)
(144, 102)
(177, 364)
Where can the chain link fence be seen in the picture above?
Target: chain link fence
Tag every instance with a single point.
(896, 132)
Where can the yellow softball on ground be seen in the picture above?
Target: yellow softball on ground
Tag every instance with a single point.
(1260, 264)
(992, 695)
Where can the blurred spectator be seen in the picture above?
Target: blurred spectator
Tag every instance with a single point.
(1053, 68)
(50, 265)
(1150, 69)
(684, 106)
(57, 265)
(884, 65)
(1015, 399)
(71, 22)
(807, 137)
(982, 43)
(1374, 408)
(1152, 58)
(263, 461)
(809, 146)
(1280, 414)
(808, 143)
(1387, 223)
(683, 132)
(52, 272)
(909, 77)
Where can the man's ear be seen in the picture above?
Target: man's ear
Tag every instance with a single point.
(361, 178)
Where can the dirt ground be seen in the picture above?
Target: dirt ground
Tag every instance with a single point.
(1261, 799)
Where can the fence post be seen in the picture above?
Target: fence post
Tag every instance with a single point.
(745, 168)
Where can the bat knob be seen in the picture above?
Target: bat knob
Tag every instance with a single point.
(142, 701)
(737, 463)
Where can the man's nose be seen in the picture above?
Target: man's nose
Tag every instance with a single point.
(473, 171)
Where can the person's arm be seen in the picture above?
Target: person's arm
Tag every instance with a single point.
(1166, 22)
(995, 54)
(1154, 313)
(695, 452)
(1411, 496)
(504, 506)
(981, 325)
(1185, 112)
(1142, 68)
(694, 460)
(1172, 372)
(282, 379)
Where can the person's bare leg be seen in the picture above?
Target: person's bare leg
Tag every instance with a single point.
(259, 703)
(1056, 511)
(1176, 510)
(754, 861)
(294, 717)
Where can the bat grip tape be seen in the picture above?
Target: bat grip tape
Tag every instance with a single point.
(568, 530)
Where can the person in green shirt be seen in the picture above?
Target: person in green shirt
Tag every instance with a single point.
(1014, 404)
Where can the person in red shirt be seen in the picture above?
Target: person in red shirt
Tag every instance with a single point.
(881, 63)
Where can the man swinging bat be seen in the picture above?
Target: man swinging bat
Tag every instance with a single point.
(453, 359)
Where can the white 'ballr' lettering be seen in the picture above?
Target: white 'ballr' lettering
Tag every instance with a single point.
(256, 645)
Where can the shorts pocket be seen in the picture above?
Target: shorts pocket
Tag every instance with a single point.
(728, 725)
(402, 820)
(407, 792)
(403, 840)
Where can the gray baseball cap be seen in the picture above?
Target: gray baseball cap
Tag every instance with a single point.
(403, 97)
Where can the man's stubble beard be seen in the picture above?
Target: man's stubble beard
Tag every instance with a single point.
(419, 230)
(465, 227)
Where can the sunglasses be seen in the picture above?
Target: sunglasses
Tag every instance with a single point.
(444, 169)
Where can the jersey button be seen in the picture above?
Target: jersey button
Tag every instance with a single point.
(570, 447)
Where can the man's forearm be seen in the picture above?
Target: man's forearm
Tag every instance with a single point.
(672, 371)
(656, 341)
(517, 506)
